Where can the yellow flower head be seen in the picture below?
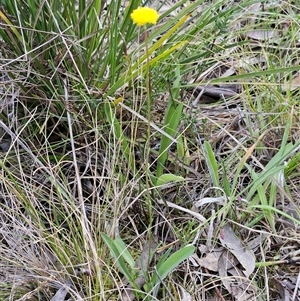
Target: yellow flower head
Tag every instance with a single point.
(144, 15)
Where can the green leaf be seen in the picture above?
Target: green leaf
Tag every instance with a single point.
(119, 259)
(174, 261)
(122, 248)
(270, 208)
(211, 163)
(226, 183)
(172, 120)
(167, 178)
(167, 266)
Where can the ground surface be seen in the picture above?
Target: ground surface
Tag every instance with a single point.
(202, 158)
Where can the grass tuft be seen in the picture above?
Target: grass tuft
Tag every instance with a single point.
(141, 163)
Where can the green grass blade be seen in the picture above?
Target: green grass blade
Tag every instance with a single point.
(120, 245)
(211, 164)
(174, 261)
(119, 134)
(119, 258)
(172, 120)
(166, 267)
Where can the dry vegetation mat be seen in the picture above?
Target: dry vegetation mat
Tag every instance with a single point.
(149, 161)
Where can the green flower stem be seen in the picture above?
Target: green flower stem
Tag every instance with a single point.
(148, 89)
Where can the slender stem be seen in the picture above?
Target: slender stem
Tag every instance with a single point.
(148, 89)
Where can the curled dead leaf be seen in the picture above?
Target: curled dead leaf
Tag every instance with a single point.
(239, 286)
(242, 253)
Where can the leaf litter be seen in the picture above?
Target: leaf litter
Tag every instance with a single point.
(234, 245)
(232, 259)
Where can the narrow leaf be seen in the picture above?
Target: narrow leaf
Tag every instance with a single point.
(122, 248)
(119, 259)
(211, 164)
(167, 178)
(174, 261)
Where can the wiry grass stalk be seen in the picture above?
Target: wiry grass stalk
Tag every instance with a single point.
(110, 146)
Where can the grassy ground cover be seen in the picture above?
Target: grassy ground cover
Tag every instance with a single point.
(155, 162)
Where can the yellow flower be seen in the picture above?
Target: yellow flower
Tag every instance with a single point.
(144, 15)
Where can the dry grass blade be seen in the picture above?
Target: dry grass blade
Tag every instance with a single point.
(192, 213)
(82, 175)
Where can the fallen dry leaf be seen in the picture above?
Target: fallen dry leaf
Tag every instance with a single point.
(233, 244)
(287, 288)
(210, 261)
(256, 242)
(264, 34)
(185, 296)
(233, 279)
